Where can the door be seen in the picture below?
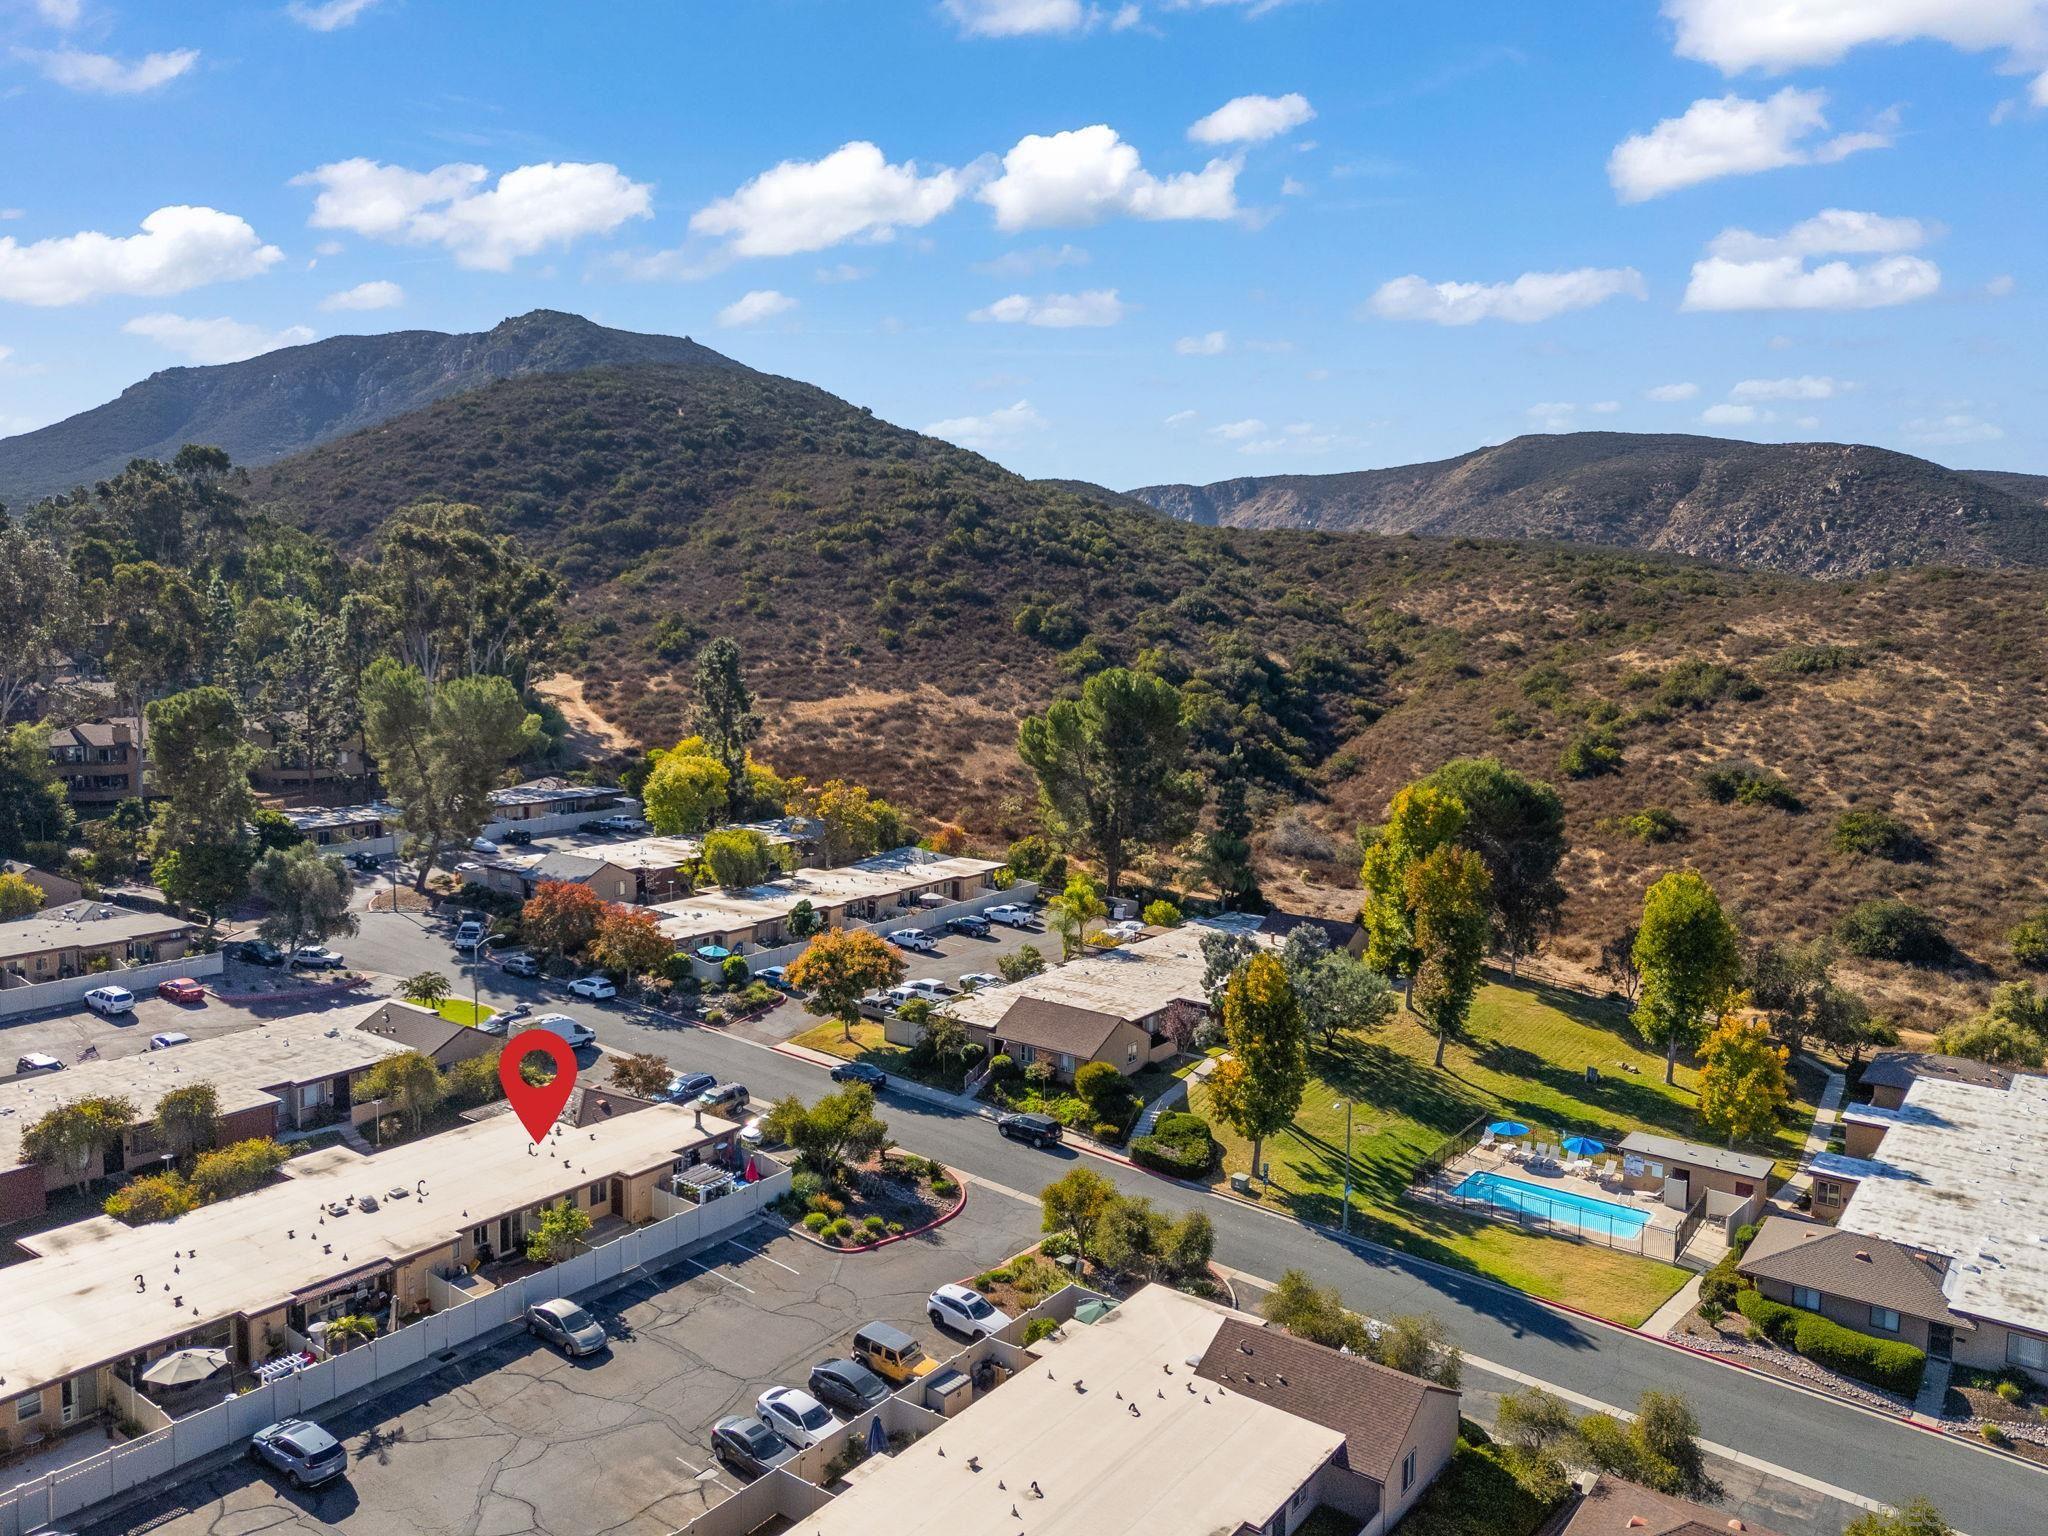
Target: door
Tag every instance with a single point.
(68, 1404)
(1941, 1341)
(617, 1195)
(117, 1156)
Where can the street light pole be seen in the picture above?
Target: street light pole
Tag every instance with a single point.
(1347, 1164)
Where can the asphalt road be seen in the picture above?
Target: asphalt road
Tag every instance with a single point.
(1982, 1494)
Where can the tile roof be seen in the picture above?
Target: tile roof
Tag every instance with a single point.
(1335, 929)
(1856, 1268)
(1371, 1406)
(1614, 1508)
(1049, 1026)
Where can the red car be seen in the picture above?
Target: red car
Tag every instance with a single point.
(182, 989)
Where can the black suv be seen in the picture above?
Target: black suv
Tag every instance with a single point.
(1038, 1130)
(969, 923)
(847, 1385)
(257, 952)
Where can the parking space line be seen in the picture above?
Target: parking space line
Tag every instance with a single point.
(710, 1269)
(755, 1253)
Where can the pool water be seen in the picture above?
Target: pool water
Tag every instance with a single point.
(1567, 1208)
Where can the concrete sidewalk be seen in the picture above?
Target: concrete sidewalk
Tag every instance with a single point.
(1817, 1136)
(959, 1103)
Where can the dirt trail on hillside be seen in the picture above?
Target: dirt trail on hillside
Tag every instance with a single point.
(591, 734)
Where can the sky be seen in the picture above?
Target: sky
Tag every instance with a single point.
(1169, 240)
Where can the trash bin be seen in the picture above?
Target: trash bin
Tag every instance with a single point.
(1240, 1183)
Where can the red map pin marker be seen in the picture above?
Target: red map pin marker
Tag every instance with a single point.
(537, 1107)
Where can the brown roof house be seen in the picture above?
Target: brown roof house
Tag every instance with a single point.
(58, 890)
(100, 761)
(1861, 1282)
(1612, 1507)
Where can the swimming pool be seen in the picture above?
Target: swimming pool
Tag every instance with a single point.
(1570, 1210)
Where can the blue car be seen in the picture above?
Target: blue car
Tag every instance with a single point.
(304, 1452)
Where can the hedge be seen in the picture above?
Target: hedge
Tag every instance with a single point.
(1179, 1145)
(1889, 1364)
(1476, 1495)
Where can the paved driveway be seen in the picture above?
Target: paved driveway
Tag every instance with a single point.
(515, 1439)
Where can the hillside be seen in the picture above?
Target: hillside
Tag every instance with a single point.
(1824, 509)
(901, 602)
(290, 400)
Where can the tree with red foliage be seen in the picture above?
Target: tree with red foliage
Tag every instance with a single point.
(561, 917)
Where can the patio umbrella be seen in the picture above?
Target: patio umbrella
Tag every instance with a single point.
(878, 1437)
(1508, 1128)
(713, 952)
(1584, 1146)
(183, 1367)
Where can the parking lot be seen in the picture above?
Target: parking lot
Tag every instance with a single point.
(514, 1438)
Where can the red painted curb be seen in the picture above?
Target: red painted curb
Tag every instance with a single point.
(796, 1228)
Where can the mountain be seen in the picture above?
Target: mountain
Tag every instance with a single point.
(901, 603)
(289, 400)
(1826, 509)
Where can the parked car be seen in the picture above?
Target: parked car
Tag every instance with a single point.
(519, 963)
(304, 1452)
(684, 1086)
(257, 952)
(912, 939)
(930, 988)
(469, 934)
(795, 1415)
(619, 821)
(519, 837)
(577, 1033)
(847, 1385)
(182, 989)
(747, 1445)
(727, 1097)
(167, 1039)
(597, 988)
(499, 1023)
(37, 1061)
(974, 981)
(366, 862)
(891, 1353)
(566, 1326)
(1009, 914)
(1036, 1130)
(484, 845)
(969, 923)
(860, 1072)
(965, 1310)
(110, 1000)
(774, 975)
(318, 957)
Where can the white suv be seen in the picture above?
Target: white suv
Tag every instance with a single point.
(965, 1310)
(110, 1000)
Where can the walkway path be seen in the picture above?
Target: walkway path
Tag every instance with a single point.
(1817, 1136)
(1172, 1097)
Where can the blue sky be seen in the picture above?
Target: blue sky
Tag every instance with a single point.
(1172, 240)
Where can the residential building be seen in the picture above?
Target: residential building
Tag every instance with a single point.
(1611, 1507)
(83, 937)
(519, 873)
(100, 761)
(1345, 937)
(551, 804)
(1953, 1177)
(285, 767)
(1129, 1006)
(1684, 1171)
(371, 828)
(1861, 1282)
(901, 886)
(643, 872)
(1888, 1074)
(1170, 1416)
(340, 1233)
(58, 890)
(283, 1076)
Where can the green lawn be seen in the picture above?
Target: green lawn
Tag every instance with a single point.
(459, 1010)
(1525, 1058)
(868, 1045)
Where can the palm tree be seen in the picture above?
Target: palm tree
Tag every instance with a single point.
(350, 1329)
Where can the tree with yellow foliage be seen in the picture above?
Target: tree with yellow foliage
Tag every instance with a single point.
(1743, 1084)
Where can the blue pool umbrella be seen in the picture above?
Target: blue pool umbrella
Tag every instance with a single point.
(712, 952)
(1508, 1128)
(1584, 1146)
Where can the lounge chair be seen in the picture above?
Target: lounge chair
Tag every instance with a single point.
(1486, 1141)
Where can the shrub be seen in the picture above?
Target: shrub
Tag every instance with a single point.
(1993, 1435)
(1712, 1311)
(1002, 1069)
(1590, 754)
(942, 1185)
(1105, 1130)
(1721, 1284)
(2029, 941)
(1890, 929)
(817, 1221)
(1887, 1364)
(840, 1228)
(1745, 784)
(1695, 684)
(151, 1197)
(1653, 824)
(1878, 834)
(895, 1229)
(1161, 914)
(1097, 1082)
(1180, 1145)
(1804, 660)
(874, 1224)
(1038, 1328)
(2009, 1391)
(732, 971)
(806, 1186)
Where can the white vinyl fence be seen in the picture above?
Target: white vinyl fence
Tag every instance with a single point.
(139, 979)
(60, 1494)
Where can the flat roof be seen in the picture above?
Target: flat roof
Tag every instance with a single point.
(81, 922)
(1135, 1453)
(549, 790)
(1960, 1175)
(1130, 981)
(76, 1304)
(878, 878)
(1899, 1069)
(321, 818)
(1671, 1150)
(241, 1067)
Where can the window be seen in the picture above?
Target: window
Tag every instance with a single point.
(1884, 1319)
(1130, 1053)
(1066, 1064)
(1806, 1296)
(597, 1193)
(29, 1407)
(1828, 1194)
(2024, 1349)
(1407, 1471)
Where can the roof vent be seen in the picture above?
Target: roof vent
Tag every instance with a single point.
(1637, 1523)
(1863, 1255)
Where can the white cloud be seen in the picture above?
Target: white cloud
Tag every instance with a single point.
(1040, 258)
(1743, 270)
(106, 75)
(1181, 418)
(1670, 392)
(1057, 311)
(1553, 415)
(1252, 119)
(807, 205)
(1289, 187)
(842, 272)
(752, 308)
(530, 208)
(1729, 415)
(2001, 286)
(1805, 387)
(178, 248)
(1208, 344)
(219, 340)
(327, 15)
(1729, 136)
(1952, 429)
(1017, 18)
(1734, 35)
(1604, 407)
(1239, 431)
(62, 14)
(1085, 175)
(998, 429)
(1297, 437)
(1531, 297)
(380, 294)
